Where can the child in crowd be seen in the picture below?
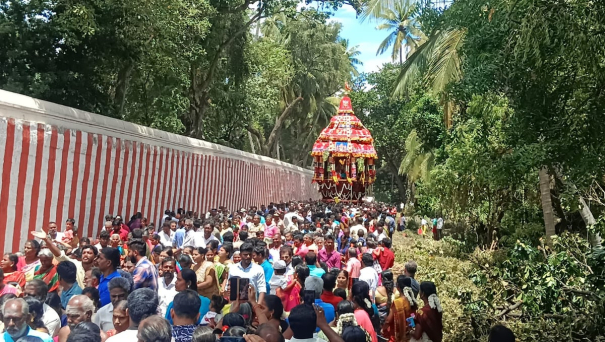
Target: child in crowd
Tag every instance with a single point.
(217, 303)
(279, 279)
(289, 239)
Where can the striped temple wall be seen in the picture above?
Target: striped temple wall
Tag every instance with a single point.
(59, 162)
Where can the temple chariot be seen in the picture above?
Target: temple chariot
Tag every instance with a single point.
(344, 158)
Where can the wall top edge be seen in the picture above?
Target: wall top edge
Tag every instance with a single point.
(17, 106)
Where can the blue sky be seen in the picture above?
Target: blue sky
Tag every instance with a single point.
(365, 36)
(362, 34)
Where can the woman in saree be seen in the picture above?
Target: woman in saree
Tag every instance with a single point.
(11, 275)
(221, 266)
(385, 295)
(395, 327)
(429, 319)
(207, 284)
(47, 271)
(29, 263)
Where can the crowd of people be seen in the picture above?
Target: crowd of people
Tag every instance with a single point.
(284, 272)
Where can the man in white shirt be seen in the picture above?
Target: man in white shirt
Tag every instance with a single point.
(358, 226)
(38, 289)
(249, 270)
(166, 235)
(142, 303)
(189, 239)
(275, 247)
(368, 273)
(119, 288)
(291, 221)
(439, 228)
(379, 233)
(201, 239)
(166, 288)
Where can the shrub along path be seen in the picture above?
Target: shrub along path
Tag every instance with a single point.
(542, 294)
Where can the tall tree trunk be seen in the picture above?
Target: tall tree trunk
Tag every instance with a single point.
(251, 142)
(401, 55)
(585, 212)
(273, 136)
(549, 217)
(122, 87)
(589, 220)
(399, 181)
(201, 80)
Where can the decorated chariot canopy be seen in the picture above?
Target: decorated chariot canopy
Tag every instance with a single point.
(344, 157)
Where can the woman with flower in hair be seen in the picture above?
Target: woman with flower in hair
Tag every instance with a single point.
(395, 327)
(364, 313)
(345, 321)
(429, 319)
(385, 295)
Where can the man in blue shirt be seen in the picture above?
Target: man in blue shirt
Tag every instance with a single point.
(259, 256)
(311, 261)
(344, 242)
(108, 261)
(317, 285)
(179, 235)
(67, 279)
(15, 321)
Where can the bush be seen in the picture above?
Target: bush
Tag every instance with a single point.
(560, 288)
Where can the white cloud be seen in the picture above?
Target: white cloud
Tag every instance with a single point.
(343, 21)
(348, 10)
(368, 47)
(374, 64)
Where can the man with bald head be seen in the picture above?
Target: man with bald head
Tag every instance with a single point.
(15, 315)
(269, 333)
(79, 309)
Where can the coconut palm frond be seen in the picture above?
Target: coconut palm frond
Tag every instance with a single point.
(375, 7)
(415, 64)
(445, 65)
(398, 17)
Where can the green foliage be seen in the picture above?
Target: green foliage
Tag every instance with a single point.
(304, 63)
(560, 288)
(385, 119)
(270, 65)
(117, 58)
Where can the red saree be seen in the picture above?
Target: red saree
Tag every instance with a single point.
(15, 277)
(431, 322)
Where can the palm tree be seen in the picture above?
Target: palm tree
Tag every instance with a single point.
(352, 53)
(437, 62)
(417, 163)
(399, 20)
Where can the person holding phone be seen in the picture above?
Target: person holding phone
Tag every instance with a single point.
(248, 270)
(314, 287)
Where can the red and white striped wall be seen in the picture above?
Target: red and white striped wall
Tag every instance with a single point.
(58, 162)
